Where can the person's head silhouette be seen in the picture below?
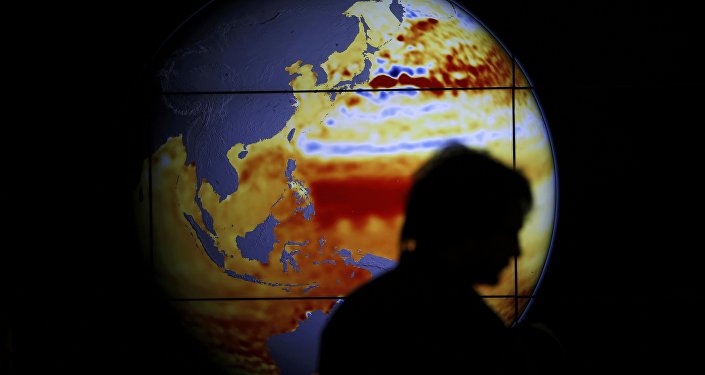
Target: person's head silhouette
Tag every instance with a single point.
(465, 210)
(463, 214)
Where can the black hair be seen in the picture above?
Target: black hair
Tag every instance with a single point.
(461, 192)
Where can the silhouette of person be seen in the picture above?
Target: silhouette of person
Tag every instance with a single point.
(463, 214)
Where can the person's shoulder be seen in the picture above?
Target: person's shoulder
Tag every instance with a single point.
(389, 282)
(371, 306)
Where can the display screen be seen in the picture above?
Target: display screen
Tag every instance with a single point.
(284, 139)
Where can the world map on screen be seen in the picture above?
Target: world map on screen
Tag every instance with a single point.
(284, 139)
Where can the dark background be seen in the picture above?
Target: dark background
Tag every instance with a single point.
(620, 85)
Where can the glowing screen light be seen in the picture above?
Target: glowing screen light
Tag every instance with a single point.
(283, 146)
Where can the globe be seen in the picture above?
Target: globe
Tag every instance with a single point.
(283, 138)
